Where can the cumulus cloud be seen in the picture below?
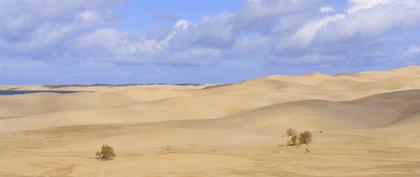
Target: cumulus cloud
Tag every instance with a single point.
(357, 5)
(42, 29)
(366, 30)
(326, 9)
(292, 32)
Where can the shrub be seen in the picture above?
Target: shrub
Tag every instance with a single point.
(291, 132)
(106, 153)
(292, 141)
(305, 137)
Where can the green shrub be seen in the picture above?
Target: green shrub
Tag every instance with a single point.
(305, 137)
(291, 132)
(106, 153)
(292, 141)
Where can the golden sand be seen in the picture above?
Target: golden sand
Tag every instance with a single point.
(364, 125)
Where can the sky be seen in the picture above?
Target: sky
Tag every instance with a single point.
(206, 41)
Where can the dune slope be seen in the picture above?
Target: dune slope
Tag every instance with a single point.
(363, 124)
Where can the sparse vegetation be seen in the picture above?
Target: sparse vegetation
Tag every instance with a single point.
(106, 153)
(292, 141)
(297, 139)
(291, 132)
(305, 137)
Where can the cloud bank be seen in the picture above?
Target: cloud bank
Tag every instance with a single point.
(283, 32)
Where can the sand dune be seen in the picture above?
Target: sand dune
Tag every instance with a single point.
(364, 124)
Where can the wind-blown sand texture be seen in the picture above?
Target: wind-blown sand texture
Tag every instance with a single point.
(364, 125)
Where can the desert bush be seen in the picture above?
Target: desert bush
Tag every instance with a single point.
(106, 153)
(305, 137)
(292, 141)
(291, 132)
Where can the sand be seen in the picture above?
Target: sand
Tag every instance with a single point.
(363, 125)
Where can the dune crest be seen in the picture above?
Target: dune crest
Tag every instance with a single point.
(360, 122)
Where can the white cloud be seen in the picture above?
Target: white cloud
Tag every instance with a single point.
(41, 29)
(326, 9)
(91, 17)
(287, 32)
(357, 5)
(183, 25)
(306, 34)
(367, 34)
(370, 22)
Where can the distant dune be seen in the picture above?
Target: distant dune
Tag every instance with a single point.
(364, 125)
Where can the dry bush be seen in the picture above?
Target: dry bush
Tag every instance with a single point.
(292, 141)
(291, 132)
(106, 153)
(305, 137)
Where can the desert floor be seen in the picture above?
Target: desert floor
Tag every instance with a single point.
(363, 125)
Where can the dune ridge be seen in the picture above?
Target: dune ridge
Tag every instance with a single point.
(364, 124)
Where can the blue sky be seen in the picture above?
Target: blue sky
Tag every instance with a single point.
(186, 41)
(146, 15)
